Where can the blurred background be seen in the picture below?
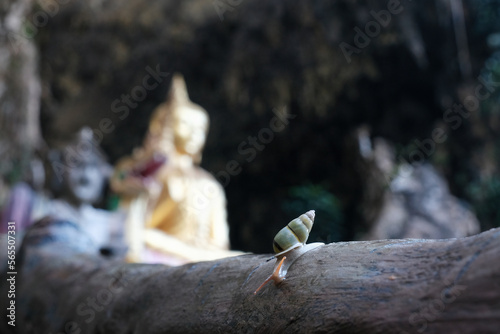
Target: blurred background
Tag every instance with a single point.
(391, 108)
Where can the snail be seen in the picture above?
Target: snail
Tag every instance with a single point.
(289, 244)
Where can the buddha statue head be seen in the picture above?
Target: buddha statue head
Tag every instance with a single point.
(179, 125)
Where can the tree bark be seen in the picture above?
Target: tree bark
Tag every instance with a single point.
(386, 286)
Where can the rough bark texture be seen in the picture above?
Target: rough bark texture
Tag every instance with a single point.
(389, 286)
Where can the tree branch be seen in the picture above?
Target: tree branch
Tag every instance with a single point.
(388, 286)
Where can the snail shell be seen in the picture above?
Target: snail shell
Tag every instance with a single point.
(294, 234)
(289, 244)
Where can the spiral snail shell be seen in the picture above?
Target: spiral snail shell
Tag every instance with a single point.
(289, 243)
(294, 234)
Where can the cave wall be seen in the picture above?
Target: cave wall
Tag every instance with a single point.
(19, 92)
(244, 62)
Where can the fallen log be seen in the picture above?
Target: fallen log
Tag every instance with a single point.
(387, 286)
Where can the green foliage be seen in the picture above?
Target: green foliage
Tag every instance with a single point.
(14, 169)
(487, 13)
(485, 197)
(329, 222)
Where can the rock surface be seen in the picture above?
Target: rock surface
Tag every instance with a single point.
(418, 204)
(19, 91)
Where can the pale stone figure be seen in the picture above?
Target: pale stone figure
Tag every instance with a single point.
(413, 201)
(176, 209)
(84, 172)
(81, 171)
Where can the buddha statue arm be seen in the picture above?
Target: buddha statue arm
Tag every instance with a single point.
(162, 242)
(122, 182)
(136, 174)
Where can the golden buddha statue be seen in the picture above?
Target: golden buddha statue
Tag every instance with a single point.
(177, 210)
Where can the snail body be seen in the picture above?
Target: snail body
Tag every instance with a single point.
(289, 245)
